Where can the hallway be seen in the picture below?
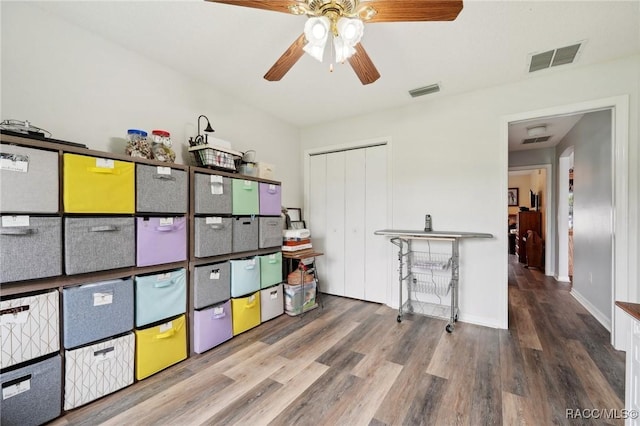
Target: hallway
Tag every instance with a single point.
(576, 365)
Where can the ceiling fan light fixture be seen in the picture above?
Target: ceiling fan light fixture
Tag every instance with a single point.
(350, 30)
(536, 131)
(367, 13)
(316, 31)
(343, 50)
(298, 9)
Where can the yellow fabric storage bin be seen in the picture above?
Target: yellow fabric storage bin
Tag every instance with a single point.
(160, 347)
(98, 185)
(245, 312)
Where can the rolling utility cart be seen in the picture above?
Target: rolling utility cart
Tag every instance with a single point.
(429, 273)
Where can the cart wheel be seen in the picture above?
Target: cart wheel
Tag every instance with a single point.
(399, 318)
(456, 318)
(449, 328)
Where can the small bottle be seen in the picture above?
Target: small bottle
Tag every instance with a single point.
(427, 223)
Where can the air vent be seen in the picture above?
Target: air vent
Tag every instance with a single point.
(541, 61)
(565, 55)
(536, 140)
(426, 90)
(562, 56)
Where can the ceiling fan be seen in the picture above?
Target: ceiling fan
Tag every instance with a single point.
(337, 26)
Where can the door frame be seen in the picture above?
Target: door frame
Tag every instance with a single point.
(620, 280)
(562, 266)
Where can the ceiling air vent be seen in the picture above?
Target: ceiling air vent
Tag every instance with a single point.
(536, 140)
(552, 58)
(426, 90)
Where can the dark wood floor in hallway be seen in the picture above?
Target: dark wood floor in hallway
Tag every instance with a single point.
(351, 363)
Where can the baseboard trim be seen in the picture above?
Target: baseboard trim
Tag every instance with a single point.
(563, 279)
(485, 322)
(602, 319)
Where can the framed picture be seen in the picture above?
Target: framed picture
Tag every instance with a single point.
(297, 224)
(295, 214)
(514, 200)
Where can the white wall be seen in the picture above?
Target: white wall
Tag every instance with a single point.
(592, 211)
(448, 150)
(83, 88)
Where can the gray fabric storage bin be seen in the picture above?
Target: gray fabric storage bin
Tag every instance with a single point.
(212, 236)
(270, 232)
(98, 243)
(212, 194)
(30, 251)
(245, 234)
(36, 393)
(28, 171)
(92, 312)
(212, 284)
(161, 189)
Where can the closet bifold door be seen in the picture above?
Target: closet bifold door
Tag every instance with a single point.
(354, 223)
(347, 204)
(376, 248)
(335, 220)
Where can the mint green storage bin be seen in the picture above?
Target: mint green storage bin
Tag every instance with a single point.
(245, 198)
(270, 269)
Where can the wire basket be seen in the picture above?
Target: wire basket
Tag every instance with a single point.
(430, 262)
(216, 158)
(430, 283)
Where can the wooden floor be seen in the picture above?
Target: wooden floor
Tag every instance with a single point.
(351, 363)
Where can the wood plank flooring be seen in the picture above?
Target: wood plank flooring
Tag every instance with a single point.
(351, 363)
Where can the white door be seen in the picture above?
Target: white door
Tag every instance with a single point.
(334, 225)
(347, 204)
(354, 220)
(376, 248)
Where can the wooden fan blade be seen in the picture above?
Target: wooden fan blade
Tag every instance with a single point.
(287, 60)
(275, 5)
(362, 65)
(415, 10)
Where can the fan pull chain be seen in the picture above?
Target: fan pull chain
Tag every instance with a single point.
(333, 56)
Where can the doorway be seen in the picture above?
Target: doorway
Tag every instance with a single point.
(536, 179)
(620, 287)
(565, 216)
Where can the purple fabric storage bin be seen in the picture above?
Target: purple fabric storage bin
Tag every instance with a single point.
(161, 240)
(212, 326)
(270, 199)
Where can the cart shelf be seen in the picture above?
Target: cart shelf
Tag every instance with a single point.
(426, 273)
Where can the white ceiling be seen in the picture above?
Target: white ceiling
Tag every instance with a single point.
(556, 127)
(232, 47)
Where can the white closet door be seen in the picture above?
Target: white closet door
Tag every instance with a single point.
(354, 229)
(317, 211)
(333, 283)
(376, 247)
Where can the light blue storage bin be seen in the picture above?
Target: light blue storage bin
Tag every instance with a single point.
(245, 276)
(160, 296)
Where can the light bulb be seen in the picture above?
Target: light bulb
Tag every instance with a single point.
(350, 30)
(318, 30)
